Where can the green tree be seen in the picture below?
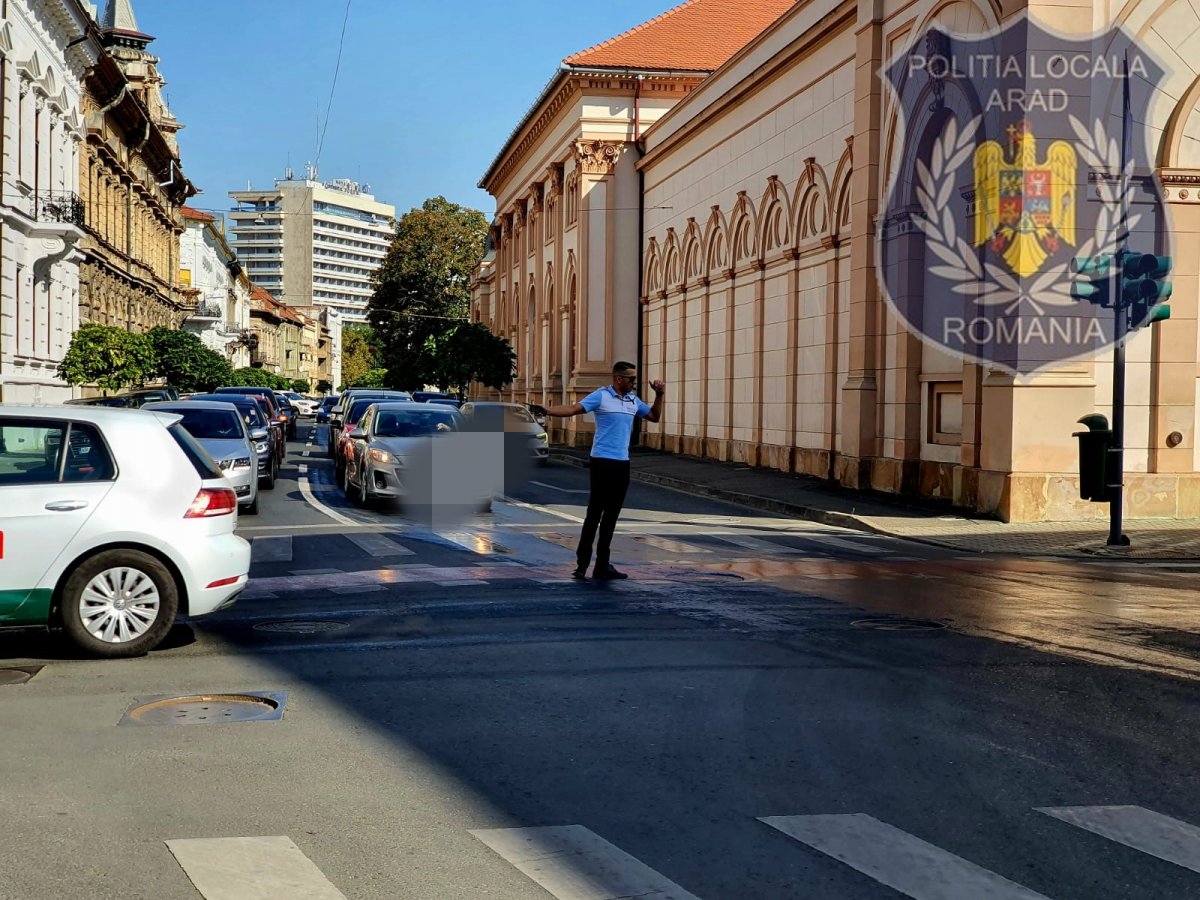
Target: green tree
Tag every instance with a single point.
(324, 386)
(372, 378)
(359, 353)
(252, 377)
(422, 289)
(109, 357)
(185, 363)
(299, 385)
(470, 353)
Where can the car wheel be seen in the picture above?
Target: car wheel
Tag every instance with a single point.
(364, 492)
(339, 475)
(119, 603)
(252, 509)
(267, 483)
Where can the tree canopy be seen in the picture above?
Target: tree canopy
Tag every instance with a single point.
(359, 354)
(111, 358)
(423, 293)
(182, 360)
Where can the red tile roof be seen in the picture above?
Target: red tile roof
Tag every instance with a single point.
(196, 215)
(265, 301)
(699, 35)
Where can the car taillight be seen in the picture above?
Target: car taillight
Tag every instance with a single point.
(212, 502)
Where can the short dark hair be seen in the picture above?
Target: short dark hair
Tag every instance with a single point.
(622, 366)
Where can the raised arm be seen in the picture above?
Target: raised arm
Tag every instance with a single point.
(564, 412)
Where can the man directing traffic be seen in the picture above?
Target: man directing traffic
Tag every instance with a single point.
(615, 407)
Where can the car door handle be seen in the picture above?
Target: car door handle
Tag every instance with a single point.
(66, 505)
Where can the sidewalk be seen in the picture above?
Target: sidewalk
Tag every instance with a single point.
(929, 521)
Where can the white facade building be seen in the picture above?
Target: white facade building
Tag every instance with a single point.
(45, 48)
(212, 273)
(312, 243)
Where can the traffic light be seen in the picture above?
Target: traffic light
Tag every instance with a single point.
(1143, 292)
(1094, 279)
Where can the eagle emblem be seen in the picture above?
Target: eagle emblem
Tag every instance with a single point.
(1026, 212)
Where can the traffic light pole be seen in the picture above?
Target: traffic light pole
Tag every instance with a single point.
(1116, 454)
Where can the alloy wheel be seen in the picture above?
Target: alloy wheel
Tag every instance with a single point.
(119, 605)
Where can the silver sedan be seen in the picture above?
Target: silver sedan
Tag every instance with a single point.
(404, 452)
(221, 431)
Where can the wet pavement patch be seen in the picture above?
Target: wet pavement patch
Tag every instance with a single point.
(18, 674)
(207, 709)
(301, 627)
(697, 576)
(891, 624)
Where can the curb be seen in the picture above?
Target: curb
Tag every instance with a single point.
(842, 520)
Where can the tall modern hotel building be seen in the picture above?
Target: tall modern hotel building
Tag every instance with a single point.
(313, 243)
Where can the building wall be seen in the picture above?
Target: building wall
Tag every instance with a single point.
(762, 307)
(221, 315)
(40, 134)
(561, 283)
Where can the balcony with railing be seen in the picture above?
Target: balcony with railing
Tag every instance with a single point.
(59, 206)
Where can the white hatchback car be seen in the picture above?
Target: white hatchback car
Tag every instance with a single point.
(112, 523)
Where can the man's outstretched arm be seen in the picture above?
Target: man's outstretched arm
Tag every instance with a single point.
(564, 412)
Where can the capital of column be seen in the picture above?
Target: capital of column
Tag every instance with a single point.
(598, 157)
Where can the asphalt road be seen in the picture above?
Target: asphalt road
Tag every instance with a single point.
(752, 715)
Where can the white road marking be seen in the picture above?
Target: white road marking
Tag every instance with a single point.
(544, 510)
(573, 863)
(853, 546)
(271, 549)
(898, 859)
(378, 545)
(307, 492)
(1142, 829)
(555, 487)
(668, 545)
(750, 543)
(265, 868)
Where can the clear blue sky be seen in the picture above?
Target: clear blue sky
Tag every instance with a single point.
(427, 93)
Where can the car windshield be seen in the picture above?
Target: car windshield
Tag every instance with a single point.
(358, 407)
(414, 423)
(211, 424)
(518, 414)
(329, 402)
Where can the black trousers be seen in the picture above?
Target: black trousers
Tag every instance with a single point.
(610, 481)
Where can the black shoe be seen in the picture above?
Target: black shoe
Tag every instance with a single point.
(580, 573)
(608, 574)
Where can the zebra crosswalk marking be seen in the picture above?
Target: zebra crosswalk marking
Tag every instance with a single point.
(897, 859)
(1142, 829)
(750, 543)
(265, 868)
(573, 863)
(377, 545)
(271, 549)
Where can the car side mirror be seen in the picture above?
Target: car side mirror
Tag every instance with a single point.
(357, 434)
(258, 434)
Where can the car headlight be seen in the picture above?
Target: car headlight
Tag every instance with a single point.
(225, 464)
(543, 437)
(242, 462)
(262, 448)
(380, 456)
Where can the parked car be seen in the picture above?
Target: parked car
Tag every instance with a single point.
(306, 405)
(277, 415)
(338, 415)
(381, 445)
(327, 406)
(126, 525)
(426, 396)
(268, 442)
(129, 399)
(220, 430)
(522, 432)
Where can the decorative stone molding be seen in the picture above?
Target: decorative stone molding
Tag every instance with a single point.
(598, 157)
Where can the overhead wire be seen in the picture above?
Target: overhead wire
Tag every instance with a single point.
(336, 69)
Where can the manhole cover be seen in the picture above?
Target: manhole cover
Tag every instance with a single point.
(207, 709)
(18, 674)
(300, 627)
(899, 624)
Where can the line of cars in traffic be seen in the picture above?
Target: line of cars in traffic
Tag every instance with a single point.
(113, 523)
